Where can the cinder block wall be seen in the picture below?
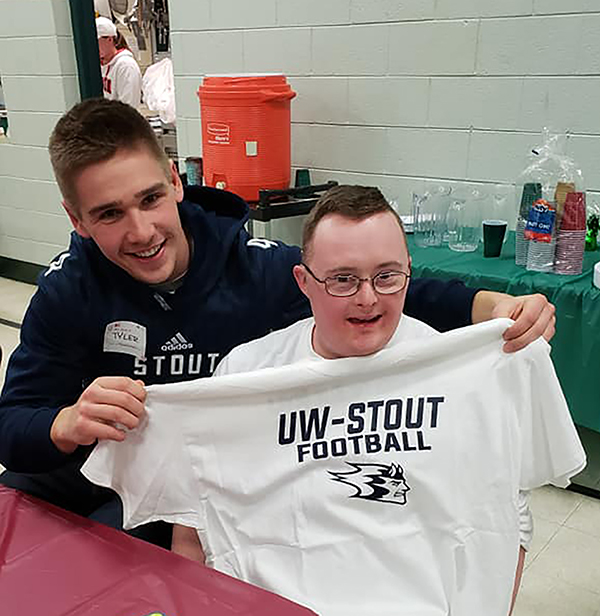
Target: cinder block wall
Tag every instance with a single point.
(37, 65)
(396, 93)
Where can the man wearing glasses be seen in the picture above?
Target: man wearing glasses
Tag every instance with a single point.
(355, 272)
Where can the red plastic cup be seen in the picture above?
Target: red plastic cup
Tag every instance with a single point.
(573, 218)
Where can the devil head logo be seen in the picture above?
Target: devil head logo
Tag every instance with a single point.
(377, 482)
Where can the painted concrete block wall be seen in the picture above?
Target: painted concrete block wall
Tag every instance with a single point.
(39, 79)
(401, 93)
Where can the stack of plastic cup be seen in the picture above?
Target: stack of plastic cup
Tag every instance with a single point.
(532, 191)
(521, 244)
(540, 256)
(570, 241)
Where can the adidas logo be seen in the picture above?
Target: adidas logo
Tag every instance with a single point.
(177, 343)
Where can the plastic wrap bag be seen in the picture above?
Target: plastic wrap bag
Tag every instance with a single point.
(158, 88)
(550, 228)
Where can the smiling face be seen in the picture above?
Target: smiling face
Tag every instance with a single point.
(128, 206)
(362, 323)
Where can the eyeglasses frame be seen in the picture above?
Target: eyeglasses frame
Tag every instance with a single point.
(370, 280)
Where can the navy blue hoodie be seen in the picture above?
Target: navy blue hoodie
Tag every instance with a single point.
(236, 289)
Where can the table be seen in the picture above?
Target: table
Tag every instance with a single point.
(56, 563)
(576, 345)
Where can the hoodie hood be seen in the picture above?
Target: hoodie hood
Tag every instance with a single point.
(212, 218)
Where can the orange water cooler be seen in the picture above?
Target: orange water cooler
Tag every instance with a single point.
(246, 132)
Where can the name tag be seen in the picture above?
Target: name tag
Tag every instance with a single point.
(125, 337)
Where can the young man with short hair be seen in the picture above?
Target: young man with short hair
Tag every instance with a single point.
(156, 286)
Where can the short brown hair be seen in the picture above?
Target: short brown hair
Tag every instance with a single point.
(354, 202)
(94, 131)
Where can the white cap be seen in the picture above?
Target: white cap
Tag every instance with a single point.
(597, 275)
(105, 27)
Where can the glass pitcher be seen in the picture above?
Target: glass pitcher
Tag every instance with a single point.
(464, 225)
(430, 214)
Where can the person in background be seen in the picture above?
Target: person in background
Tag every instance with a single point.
(157, 286)
(121, 75)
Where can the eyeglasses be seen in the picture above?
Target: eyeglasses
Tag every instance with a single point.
(345, 285)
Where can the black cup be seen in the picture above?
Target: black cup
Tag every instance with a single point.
(493, 236)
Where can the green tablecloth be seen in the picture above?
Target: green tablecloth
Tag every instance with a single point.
(576, 345)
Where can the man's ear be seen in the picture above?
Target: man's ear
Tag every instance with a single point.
(75, 220)
(300, 276)
(177, 184)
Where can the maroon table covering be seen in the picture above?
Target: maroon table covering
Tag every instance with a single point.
(55, 563)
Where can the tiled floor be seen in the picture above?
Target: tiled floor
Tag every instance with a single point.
(14, 298)
(562, 574)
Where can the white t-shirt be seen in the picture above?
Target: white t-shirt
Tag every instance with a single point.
(122, 79)
(384, 485)
(294, 344)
